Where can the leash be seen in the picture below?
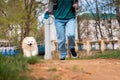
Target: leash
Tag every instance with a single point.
(40, 19)
(41, 16)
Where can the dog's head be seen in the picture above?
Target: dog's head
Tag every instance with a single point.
(29, 41)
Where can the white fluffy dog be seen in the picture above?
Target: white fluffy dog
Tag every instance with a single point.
(29, 46)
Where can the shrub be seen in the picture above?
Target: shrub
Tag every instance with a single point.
(33, 60)
(12, 66)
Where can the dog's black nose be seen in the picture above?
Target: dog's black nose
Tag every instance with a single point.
(30, 44)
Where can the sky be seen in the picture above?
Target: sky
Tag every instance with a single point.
(92, 6)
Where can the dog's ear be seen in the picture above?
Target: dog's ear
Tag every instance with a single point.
(25, 37)
(24, 34)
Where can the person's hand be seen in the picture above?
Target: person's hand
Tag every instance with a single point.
(75, 5)
(47, 10)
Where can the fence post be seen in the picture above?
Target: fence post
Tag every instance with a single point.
(53, 46)
(48, 54)
(97, 45)
(111, 45)
(103, 46)
(119, 43)
(88, 46)
(76, 48)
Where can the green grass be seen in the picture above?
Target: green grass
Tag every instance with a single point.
(13, 67)
(33, 60)
(109, 54)
(106, 55)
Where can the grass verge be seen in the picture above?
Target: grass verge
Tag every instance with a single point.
(14, 67)
(106, 55)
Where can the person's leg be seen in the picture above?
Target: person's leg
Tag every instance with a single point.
(61, 38)
(70, 32)
(71, 27)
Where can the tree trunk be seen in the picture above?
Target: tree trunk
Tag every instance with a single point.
(98, 18)
(78, 27)
(118, 14)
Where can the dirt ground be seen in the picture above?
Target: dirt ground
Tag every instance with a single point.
(96, 69)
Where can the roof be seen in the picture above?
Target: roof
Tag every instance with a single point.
(101, 16)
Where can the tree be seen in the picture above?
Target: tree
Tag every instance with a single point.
(116, 3)
(17, 14)
(103, 14)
